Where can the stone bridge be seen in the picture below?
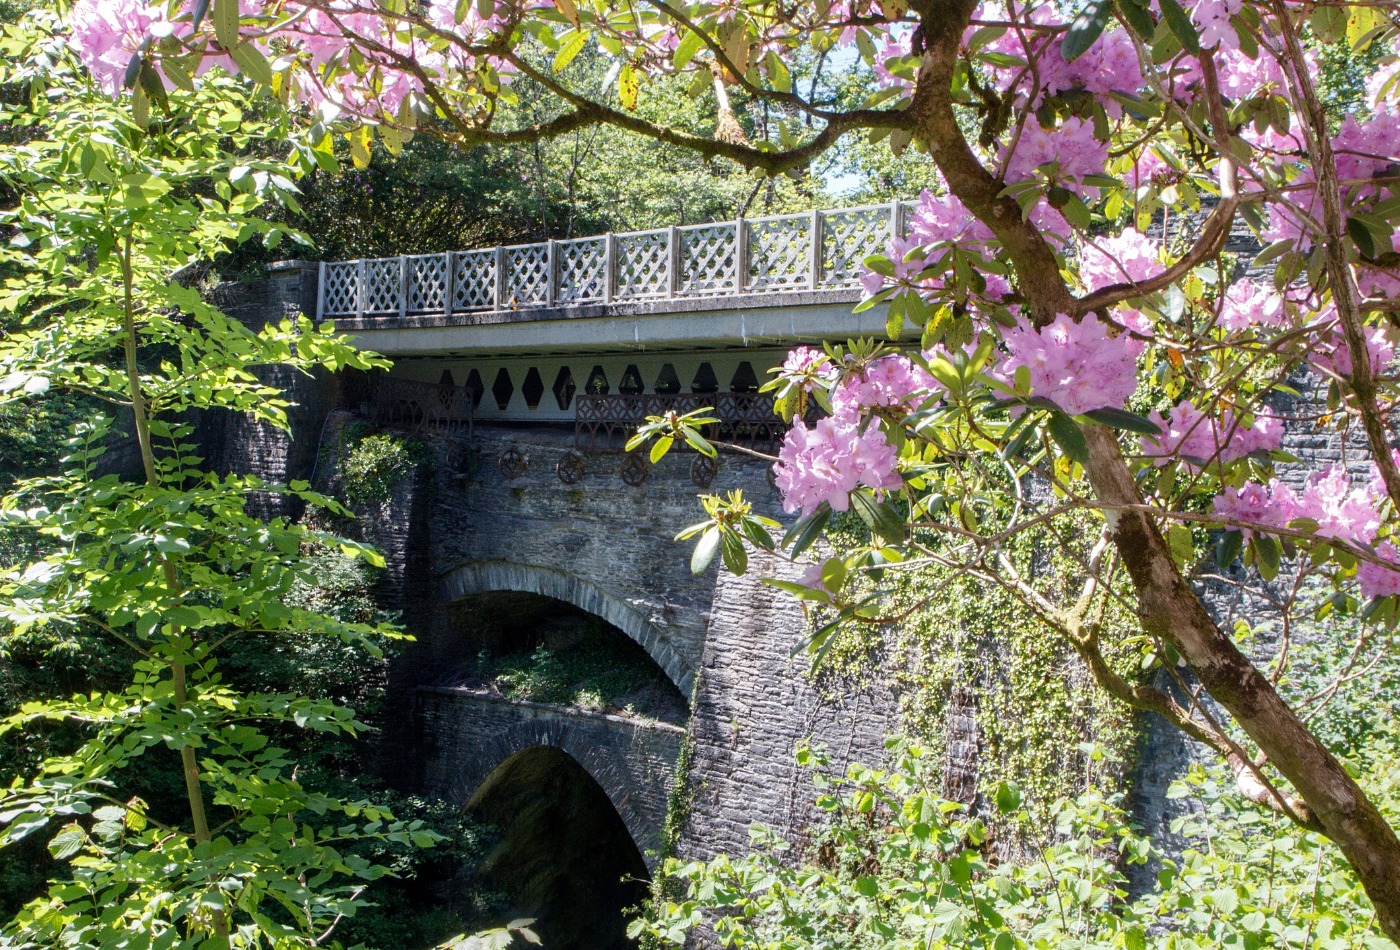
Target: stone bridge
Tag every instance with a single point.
(558, 350)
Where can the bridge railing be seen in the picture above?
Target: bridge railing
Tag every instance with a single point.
(604, 423)
(425, 408)
(817, 250)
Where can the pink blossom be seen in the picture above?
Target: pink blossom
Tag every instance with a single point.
(1212, 19)
(1247, 304)
(944, 219)
(1129, 257)
(1071, 149)
(1342, 513)
(808, 365)
(1077, 366)
(1254, 504)
(1329, 351)
(830, 460)
(108, 33)
(889, 382)
(1189, 434)
(1376, 580)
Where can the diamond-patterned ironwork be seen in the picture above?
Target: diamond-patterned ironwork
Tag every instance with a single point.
(635, 469)
(382, 283)
(513, 464)
(427, 283)
(709, 259)
(341, 295)
(527, 276)
(703, 470)
(848, 238)
(581, 268)
(571, 467)
(779, 252)
(474, 280)
(643, 264)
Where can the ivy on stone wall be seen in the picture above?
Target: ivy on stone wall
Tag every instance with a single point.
(375, 463)
(975, 650)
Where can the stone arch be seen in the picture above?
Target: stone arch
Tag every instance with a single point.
(635, 776)
(484, 577)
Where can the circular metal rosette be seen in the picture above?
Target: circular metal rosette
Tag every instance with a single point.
(635, 469)
(570, 468)
(513, 464)
(703, 470)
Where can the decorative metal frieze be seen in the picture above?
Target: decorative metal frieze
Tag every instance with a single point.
(513, 464)
(819, 250)
(571, 467)
(604, 423)
(396, 403)
(703, 470)
(635, 469)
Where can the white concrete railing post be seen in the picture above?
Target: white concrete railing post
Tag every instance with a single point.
(361, 270)
(673, 260)
(551, 272)
(814, 250)
(609, 266)
(447, 284)
(499, 290)
(741, 255)
(320, 290)
(403, 286)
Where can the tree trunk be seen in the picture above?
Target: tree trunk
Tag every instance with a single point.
(1169, 608)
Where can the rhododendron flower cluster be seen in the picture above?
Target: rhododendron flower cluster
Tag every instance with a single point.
(1328, 350)
(828, 461)
(1129, 257)
(1077, 366)
(891, 382)
(1247, 304)
(1072, 149)
(1190, 434)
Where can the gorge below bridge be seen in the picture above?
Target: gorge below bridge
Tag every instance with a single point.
(523, 370)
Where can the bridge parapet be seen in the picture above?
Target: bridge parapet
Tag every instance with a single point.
(754, 259)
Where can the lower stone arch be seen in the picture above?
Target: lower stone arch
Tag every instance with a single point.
(484, 577)
(635, 776)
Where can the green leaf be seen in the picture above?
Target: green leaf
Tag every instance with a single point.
(879, 515)
(1122, 419)
(1067, 435)
(705, 550)
(1138, 17)
(226, 23)
(1227, 549)
(629, 87)
(1008, 797)
(252, 62)
(1086, 28)
(801, 535)
(1181, 26)
(68, 842)
(1182, 546)
(736, 556)
(571, 48)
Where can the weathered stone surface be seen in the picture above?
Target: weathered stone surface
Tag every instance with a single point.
(466, 735)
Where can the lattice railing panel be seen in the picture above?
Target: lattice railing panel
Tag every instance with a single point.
(848, 238)
(780, 253)
(582, 270)
(427, 283)
(643, 264)
(340, 294)
(383, 280)
(527, 276)
(709, 259)
(474, 280)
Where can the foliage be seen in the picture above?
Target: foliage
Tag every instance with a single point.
(170, 567)
(899, 868)
(375, 463)
(597, 670)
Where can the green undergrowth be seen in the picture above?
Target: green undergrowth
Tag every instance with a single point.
(1042, 721)
(596, 669)
(374, 463)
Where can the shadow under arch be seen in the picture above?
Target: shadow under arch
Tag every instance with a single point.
(565, 857)
(485, 577)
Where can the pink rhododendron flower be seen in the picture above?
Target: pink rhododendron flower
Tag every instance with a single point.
(1341, 512)
(1253, 503)
(1077, 366)
(108, 33)
(830, 460)
(1376, 580)
(1129, 257)
(1072, 147)
(1189, 433)
(1212, 19)
(810, 365)
(889, 382)
(1329, 350)
(1248, 304)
